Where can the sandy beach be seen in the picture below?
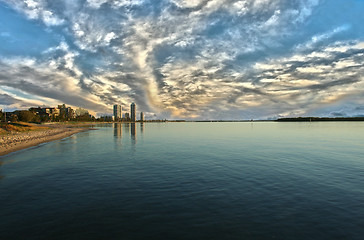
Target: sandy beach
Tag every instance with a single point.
(16, 141)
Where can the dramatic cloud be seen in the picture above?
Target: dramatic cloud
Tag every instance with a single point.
(202, 59)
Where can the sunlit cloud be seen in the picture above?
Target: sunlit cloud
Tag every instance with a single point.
(201, 59)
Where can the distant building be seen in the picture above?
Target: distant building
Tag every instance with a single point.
(55, 112)
(70, 112)
(66, 112)
(51, 111)
(126, 117)
(117, 112)
(132, 112)
(45, 113)
(141, 116)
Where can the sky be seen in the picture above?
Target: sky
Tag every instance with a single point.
(185, 59)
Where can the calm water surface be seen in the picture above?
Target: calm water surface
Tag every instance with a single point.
(189, 181)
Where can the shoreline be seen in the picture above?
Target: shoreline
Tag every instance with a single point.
(14, 142)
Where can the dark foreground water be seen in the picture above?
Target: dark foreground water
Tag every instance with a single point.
(189, 181)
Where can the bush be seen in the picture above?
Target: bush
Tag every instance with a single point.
(27, 116)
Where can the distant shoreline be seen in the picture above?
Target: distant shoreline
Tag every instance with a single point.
(320, 119)
(298, 119)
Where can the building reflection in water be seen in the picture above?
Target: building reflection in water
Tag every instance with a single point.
(118, 130)
(128, 128)
(133, 133)
(141, 128)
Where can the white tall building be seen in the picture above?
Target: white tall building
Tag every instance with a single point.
(117, 112)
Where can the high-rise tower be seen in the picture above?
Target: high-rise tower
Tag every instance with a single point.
(117, 112)
(142, 116)
(132, 112)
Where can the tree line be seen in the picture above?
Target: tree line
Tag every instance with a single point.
(33, 117)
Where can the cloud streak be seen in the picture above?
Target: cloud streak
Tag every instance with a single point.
(202, 59)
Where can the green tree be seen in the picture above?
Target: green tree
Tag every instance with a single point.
(26, 116)
(13, 118)
(84, 118)
(44, 118)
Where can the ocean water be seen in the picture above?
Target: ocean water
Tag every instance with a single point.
(260, 180)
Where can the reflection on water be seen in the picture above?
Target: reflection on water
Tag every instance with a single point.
(133, 131)
(133, 134)
(118, 130)
(128, 128)
(141, 128)
(1, 163)
(189, 181)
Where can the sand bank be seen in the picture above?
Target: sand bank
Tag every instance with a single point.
(21, 140)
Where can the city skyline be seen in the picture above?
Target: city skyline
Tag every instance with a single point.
(118, 113)
(178, 59)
